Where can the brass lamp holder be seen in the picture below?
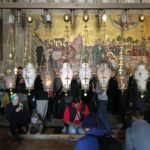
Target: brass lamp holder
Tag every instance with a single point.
(142, 94)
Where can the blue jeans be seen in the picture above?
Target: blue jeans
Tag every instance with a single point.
(73, 130)
(102, 110)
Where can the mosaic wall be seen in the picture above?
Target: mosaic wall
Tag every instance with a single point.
(102, 42)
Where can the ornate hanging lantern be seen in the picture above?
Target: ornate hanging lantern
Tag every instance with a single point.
(85, 76)
(11, 61)
(47, 76)
(66, 74)
(85, 72)
(29, 75)
(122, 80)
(47, 83)
(9, 75)
(10, 80)
(29, 72)
(141, 76)
(47, 79)
(103, 74)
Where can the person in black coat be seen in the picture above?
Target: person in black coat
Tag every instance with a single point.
(17, 118)
(20, 83)
(112, 92)
(137, 99)
(93, 98)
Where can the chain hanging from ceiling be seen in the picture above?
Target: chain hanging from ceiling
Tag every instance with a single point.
(66, 72)
(11, 60)
(85, 70)
(29, 72)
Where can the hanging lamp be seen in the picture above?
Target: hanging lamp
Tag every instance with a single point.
(103, 74)
(141, 76)
(66, 72)
(66, 75)
(29, 72)
(11, 61)
(85, 72)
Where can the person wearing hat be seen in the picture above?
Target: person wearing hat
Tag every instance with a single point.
(73, 116)
(17, 118)
(89, 141)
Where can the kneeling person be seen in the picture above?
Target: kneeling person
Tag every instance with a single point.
(17, 118)
(73, 116)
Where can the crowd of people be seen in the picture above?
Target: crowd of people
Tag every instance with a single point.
(85, 115)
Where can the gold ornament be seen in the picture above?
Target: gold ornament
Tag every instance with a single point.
(141, 18)
(30, 19)
(142, 94)
(66, 17)
(86, 18)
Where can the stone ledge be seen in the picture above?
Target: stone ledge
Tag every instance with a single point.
(51, 136)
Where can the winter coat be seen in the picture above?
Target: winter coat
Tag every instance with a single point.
(138, 136)
(16, 119)
(77, 120)
(89, 142)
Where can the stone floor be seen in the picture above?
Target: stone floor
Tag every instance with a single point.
(50, 139)
(32, 144)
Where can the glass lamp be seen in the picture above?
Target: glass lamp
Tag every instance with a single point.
(10, 80)
(122, 78)
(103, 74)
(141, 76)
(47, 82)
(47, 79)
(47, 76)
(66, 74)
(29, 75)
(85, 76)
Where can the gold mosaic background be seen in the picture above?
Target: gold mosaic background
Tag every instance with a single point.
(57, 27)
(108, 32)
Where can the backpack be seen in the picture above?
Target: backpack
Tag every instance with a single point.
(36, 125)
(72, 112)
(106, 142)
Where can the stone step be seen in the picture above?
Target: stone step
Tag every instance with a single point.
(51, 136)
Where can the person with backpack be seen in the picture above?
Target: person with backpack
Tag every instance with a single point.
(36, 124)
(73, 116)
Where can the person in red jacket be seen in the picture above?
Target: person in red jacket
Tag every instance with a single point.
(73, 116)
